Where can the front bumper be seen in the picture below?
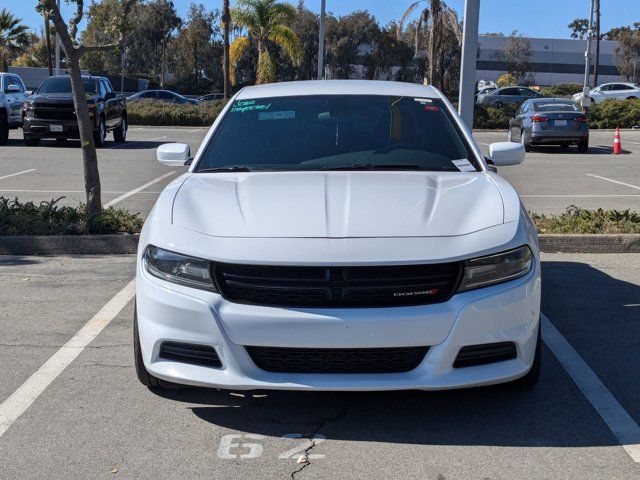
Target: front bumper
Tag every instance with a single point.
(41, 128)
(506, 312)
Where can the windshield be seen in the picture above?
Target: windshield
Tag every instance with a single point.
(555, 107)
(321, 132)
(63, 85)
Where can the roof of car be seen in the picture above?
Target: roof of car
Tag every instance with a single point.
(338, 87)
(550, 100)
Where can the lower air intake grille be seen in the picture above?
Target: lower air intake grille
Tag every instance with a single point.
(486, 353)
(190, 353)
(384, 286)
(337, 360)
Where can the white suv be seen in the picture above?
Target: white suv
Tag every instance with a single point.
(621, 91)
(338, 235)
(12, 96)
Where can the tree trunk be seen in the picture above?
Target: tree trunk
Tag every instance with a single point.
(226, 21)
(89, 154)
(48, 35)
(596, 64)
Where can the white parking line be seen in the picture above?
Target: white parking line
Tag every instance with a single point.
(29, 391)
(620, 423)
(196, 130)
(579, 196)
(157, 138)
(18, 173)
(613, 181)
(136, 190)
(109, 192)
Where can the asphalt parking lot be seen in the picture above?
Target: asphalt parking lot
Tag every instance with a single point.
(83, 413)
(550, 179)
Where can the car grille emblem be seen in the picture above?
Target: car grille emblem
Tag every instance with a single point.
(431, 291)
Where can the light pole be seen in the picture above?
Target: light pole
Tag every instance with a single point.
(321, 41)
(468, 62)
(585, 87)
(58, 47)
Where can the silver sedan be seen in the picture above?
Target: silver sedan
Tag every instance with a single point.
(549, 121)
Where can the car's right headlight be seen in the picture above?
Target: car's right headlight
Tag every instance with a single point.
(497, 268)
(177, 268)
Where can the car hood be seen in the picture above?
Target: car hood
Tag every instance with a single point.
(56, 98)
(338, 204)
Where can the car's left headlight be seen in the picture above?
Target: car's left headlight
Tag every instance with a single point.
(500, 267)
(177, 268)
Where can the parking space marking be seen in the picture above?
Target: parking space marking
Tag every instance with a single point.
(580, 196)
(196, 130)
(137, 190)
(110, 192)
(157, 138)
(613, 181)
(623, 427)
(18, 173)
(30, 390)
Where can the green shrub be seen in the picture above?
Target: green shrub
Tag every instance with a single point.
(48, 218)
(579, 220)
(614, 113)
(561, 90)
(153, 112)
(486, 117)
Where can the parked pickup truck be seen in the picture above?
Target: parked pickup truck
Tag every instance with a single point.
(50, 113)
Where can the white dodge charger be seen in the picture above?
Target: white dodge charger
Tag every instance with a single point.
(338, 235)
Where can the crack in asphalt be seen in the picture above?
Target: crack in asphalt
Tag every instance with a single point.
(323, 423)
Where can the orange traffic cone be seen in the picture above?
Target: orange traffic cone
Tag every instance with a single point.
(617, 146)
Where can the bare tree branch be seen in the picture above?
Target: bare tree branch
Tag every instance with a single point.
(77, 18)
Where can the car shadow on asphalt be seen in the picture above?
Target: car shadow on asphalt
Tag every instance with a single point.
(555, 150)
(75, 144)
(554, 413)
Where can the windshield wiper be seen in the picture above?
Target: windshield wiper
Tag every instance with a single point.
(234, 168)
(372, 166)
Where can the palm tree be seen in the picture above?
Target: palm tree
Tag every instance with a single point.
(265, 22)
(434, 20)
(13, 36)
(226, 24)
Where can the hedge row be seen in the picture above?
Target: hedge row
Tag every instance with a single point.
(48, 218)
(615, 113)
(153, 112)
(580, 220)
(608, 114)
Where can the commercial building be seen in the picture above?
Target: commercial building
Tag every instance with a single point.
(552, 60)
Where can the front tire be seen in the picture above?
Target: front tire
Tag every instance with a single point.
(31, 142)
(4, 129)
(99, 136)
(120, 132)
(523, 141)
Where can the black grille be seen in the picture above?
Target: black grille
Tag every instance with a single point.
(386, 286)
(486, 353)
(337, 360)
(190, 353)
(54, 111)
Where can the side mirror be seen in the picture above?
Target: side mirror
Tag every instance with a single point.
(173, 154)
(109, 96)
(28, 93)
(12, 89)
(506, 153)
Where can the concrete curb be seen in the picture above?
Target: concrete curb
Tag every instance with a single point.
(552, 243)
(69, 244)
(128, 244)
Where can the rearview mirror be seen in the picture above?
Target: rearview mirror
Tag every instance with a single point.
(506, 153)
(173, 154)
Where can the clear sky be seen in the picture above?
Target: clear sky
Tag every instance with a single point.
(541, 18)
